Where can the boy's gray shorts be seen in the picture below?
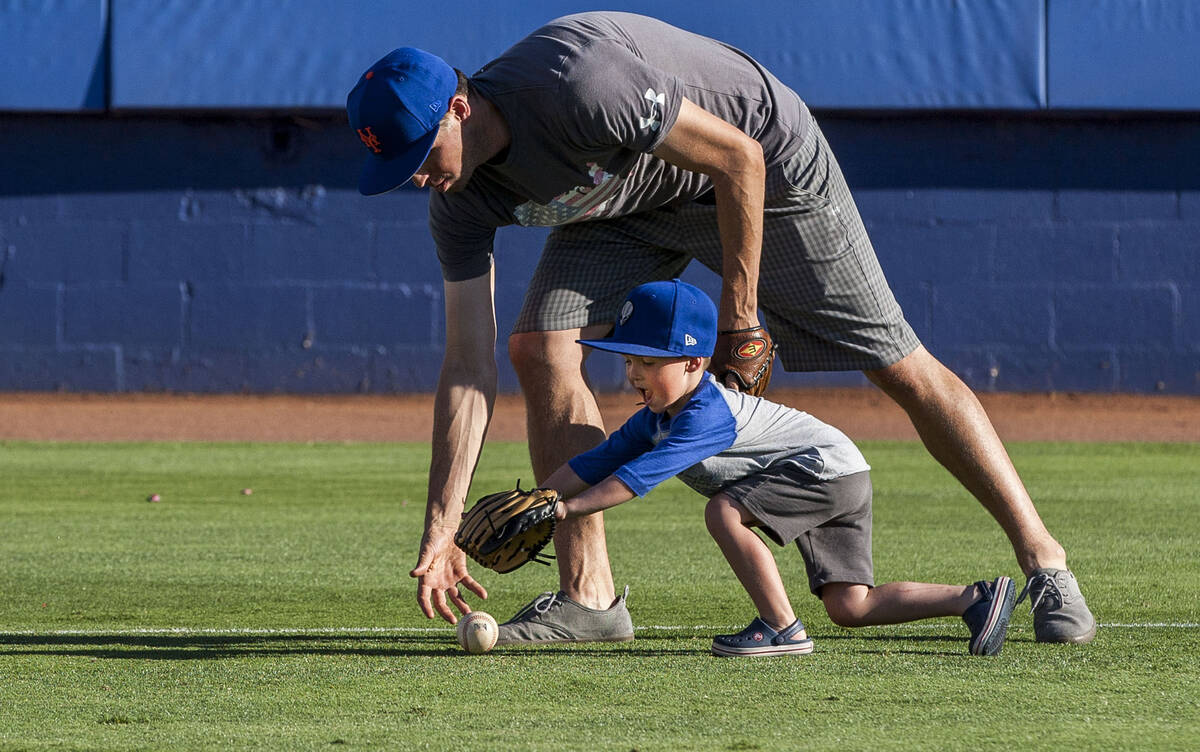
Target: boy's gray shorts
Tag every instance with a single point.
(830, 520)
(821, 290)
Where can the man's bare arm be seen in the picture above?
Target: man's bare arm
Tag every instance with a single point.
(466, 395)
(702, 142)
(463, 406)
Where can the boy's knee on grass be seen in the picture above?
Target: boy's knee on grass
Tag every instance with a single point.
(844, 604)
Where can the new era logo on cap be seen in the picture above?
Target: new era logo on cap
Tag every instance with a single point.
(689, 340)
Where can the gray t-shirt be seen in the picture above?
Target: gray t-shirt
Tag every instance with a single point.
(586, 97)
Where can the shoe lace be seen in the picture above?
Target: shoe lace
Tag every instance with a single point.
(540, 604)
(545, 602)
(1038, 588)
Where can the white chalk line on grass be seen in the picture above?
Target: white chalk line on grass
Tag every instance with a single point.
(401, 631)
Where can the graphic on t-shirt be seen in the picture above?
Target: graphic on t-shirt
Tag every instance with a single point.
(573, 205)
(657, 102)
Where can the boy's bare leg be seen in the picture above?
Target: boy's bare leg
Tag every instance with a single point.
(564, 420)
(958, 433)
(728, 523)
(852, 605)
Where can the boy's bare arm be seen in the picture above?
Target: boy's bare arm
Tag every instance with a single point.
(566, 482)
(607, 493)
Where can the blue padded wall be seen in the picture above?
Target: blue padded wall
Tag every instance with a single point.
(1124, 54)
(54, 53)
(307, 53)
(849, 54)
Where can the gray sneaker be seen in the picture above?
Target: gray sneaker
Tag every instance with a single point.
(554, 618)
(1059, 611)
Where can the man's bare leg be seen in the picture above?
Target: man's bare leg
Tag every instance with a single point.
(958, 433)
(563, 421)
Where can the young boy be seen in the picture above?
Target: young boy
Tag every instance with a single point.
(762, 465)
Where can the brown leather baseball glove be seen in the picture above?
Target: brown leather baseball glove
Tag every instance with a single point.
(743, 359)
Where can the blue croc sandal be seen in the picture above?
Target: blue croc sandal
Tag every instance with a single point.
(758, 639)
(988, 617)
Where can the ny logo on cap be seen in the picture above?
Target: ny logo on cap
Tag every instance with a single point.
(370, 139)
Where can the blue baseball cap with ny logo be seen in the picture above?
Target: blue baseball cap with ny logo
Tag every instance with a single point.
(668, 319)
(395, 109)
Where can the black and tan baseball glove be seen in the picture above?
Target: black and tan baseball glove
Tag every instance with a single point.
(505, 530)
(743, 359)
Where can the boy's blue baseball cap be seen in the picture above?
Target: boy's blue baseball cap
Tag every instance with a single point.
(663, 320)
(395, 109)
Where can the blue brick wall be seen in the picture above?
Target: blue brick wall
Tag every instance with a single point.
(233, 253)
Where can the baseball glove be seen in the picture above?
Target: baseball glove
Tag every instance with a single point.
(504, 530)
(743, 359)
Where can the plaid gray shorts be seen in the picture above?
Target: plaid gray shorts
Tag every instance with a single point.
(821, 291)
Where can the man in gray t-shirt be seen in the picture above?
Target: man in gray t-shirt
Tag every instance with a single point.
(644, 147)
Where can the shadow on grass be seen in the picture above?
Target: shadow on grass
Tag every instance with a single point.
(218, 647)
(215, 647)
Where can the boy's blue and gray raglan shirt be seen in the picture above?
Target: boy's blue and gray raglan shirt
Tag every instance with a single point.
(719, 437)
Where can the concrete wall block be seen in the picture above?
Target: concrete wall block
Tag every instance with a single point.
(967, 205)
(170, 370)
(1117, 205)
(135, 315)
(72, 369)
(1109, 315)
(20, 208)
(405, 204)
(1189, 319)
(957, 204)
(1158, 371)
(54, 252)
(1159, 252)
(28, 314)
(1057, 253)
(345, 203)
(404, 252)
(174, 251)
(308, 371)
(915, 299)
(407, 369)
(377, 316)
(1189, 205)
(257, 316)
(324, 252)
(933, 253)
(1034, 369)
(1084, 369)
(973, 364)
(109, 203)
(1011, 315)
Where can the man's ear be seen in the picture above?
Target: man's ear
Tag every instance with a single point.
(695, 364)
(459, 107)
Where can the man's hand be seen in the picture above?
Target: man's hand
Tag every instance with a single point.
(441, 568)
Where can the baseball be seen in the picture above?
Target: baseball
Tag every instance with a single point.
(477, 632)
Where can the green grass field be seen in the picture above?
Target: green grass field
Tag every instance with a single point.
(286, 619)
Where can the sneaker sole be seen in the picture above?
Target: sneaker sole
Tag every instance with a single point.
(800, 648)
(997, 618)
(565, 641)
(1079, 639)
